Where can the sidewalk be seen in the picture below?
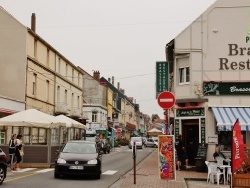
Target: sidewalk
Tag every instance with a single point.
(147, 176)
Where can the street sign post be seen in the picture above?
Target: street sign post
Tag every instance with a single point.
(166, 100)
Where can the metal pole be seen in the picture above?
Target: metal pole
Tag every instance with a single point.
(134, 157)
(167, 123)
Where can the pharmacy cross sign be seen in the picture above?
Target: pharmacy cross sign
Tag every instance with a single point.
(166, 100)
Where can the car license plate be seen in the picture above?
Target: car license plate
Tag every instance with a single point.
(76, 167)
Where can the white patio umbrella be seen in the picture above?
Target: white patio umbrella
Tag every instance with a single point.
(32, 118)
(70, 122)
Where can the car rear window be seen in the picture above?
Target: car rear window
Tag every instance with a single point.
(136, 139)
(80, 148)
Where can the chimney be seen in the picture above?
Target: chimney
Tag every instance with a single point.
(109, 80)
(33, 22)
(118, 85)
(122, 91)
(96, 76)
(113, 80)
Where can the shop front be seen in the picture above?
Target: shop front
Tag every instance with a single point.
(190, 123)
(225, 118)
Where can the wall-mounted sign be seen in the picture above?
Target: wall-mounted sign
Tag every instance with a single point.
(226, 88)
(203, 130)
(213, 139)
(190, 112)
(161, 77)
(177, 128)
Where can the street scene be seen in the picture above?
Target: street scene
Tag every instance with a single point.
(135, 93)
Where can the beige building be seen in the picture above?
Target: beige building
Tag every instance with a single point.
(35, 75)
(209, 61)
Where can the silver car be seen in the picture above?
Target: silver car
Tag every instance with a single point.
(150, 142)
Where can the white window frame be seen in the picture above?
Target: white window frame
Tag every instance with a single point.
(94, 116)
(184, 75)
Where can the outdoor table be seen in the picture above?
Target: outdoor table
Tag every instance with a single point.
(224, 167)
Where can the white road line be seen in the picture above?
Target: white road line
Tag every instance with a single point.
(109, 172)
(45, 170)
(24, 170)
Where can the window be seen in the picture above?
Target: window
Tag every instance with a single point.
(78, 102)
(58, 93)
(47, 57)
(35, 48)
(66, 70)
(59, 65)
(47, 90)
(72, 100)
(2, 137)
(34, 84)
(184, 75)
(94, 116)
(78, 83)
(225, 139)
(65, 96)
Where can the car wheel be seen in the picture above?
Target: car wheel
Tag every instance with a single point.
(56, 175)
(2, 173)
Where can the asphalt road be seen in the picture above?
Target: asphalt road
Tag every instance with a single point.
(115, 165)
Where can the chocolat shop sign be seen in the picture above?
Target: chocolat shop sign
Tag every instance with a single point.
(190, 112)
(226, 88)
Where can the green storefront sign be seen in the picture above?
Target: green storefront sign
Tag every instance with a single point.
(161, 77)
(190, 112)
(203, 130)
(177, 128)
(226, 88)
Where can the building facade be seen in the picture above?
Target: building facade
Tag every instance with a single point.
(95, 101)
(35, 75)
(209, 64)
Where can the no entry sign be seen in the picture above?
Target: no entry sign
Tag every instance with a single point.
(166, 100)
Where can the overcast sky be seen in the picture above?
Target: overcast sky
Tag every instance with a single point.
(120, 38)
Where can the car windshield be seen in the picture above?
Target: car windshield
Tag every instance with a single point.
(136, 139)
(81, 148)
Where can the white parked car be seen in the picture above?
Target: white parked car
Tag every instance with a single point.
(137, 140)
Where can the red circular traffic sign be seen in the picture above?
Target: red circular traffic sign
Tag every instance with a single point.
(166, 100)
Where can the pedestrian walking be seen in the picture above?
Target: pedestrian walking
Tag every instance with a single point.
(181, 153)
(19, 152)
(12, 149)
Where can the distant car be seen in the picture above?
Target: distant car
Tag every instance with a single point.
(137, 140)
(150, 142)
(3, 166)
(79, 157)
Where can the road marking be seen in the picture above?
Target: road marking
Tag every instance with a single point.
(45, 170)
(24, 170)
(109, 172)
(20, 177)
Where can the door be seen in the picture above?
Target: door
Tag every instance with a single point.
(191, 138)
